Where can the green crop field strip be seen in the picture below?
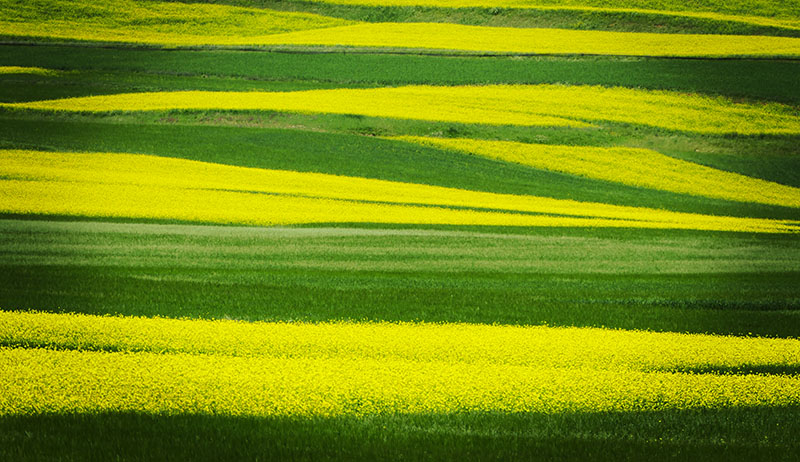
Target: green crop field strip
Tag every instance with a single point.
(399, 230)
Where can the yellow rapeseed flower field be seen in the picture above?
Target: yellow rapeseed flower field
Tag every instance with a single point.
(179, 24)
(528, 346)
(439, 36)
(26, 70)
(330, 369)
(166, 23)
(141, 186)
(527, 105)
(738, 10)
(637, 167)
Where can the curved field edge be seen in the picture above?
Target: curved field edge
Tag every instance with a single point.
(780, 9)
(463, 38)
(524, 105)
(748, 79)
(435, 36)
(553, 16)
(336, 144)
(620, 19)
(86, 184)
(151, 22)
(636, 167)
(356, 156)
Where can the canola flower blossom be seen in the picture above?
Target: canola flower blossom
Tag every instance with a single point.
(637, 167)
(26, 70)
(142, 186)
(524, 105)
(165, 23)
(458, 37)
(165, 366)
(179, 24)
(764, 13)
(525, 346)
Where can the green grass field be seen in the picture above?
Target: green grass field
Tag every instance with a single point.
(722, 285)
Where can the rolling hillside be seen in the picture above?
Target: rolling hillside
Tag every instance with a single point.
(399, 230)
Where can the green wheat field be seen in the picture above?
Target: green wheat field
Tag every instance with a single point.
(385, 230)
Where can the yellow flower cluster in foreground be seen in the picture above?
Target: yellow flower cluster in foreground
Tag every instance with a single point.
(262, 369)
(173, 23)
(26, 70)
(637, 167)
(526, 105)
(140, 186)
(439, 36)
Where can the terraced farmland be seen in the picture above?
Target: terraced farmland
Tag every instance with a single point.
(399, 230)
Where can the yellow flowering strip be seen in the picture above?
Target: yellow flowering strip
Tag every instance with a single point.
(528, 346)
(165, 23)
(527, 105)
(637, 167)
(438, 36)
(367, 368)
(26, 70)
(176, 24)
(447, 104)
(140, 186)
(769, 14)
(39, 381)
(731, 8)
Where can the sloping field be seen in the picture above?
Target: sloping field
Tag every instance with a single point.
(539, 41)
(120, 185)
(178, 24)
(781, 14)
(637, 167)
(399, 230)
(779, 8)
(150, 22)
(535, 105)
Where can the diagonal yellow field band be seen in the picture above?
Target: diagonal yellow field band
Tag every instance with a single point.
(457, 37)
(137, 21)
(526, 105)
(765, 14)
(637, 167)
(140, 186)
(329, 369)
(26, 70)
